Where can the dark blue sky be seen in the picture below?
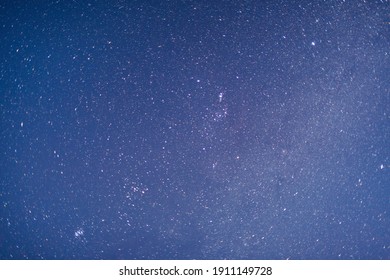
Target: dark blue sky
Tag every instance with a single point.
(194, 129)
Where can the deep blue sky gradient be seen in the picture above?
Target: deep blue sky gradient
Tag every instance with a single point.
(194, 129)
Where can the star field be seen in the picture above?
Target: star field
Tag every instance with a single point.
(194, 129)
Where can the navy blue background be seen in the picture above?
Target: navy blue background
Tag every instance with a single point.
(194, 129)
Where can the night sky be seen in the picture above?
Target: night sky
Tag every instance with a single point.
(195, 129)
